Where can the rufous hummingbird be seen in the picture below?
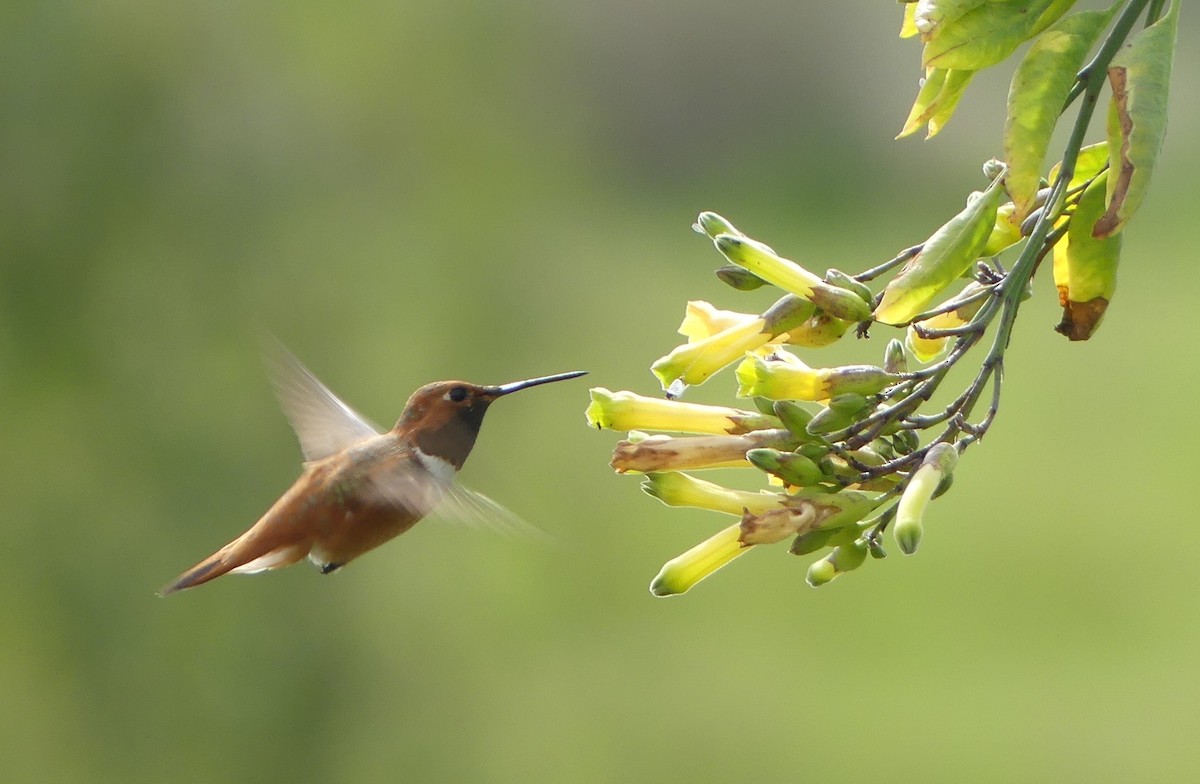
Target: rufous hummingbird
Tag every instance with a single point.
(360, 487)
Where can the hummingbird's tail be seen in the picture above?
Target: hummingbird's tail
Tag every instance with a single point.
(208, 569)
(236, 559)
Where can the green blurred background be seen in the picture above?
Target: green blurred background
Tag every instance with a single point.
(423, 190)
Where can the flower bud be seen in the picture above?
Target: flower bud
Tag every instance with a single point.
(794, 469)
(843, 411)
(712, 224)
(840, 279)
(811, 541)
(894, 358)
(938, 463)
(844, 558)
(741, 279)
(794, 417)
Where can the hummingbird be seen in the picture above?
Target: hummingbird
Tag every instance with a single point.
(361, 487)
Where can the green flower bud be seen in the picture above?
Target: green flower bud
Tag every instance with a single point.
(712, 224)
(811, 541)
(840, 279)
(736, 277)
(832, 418)
(906, 441)
(993, 168)
(794, 417)
(794, 469)
(814, 452)
(894, 358)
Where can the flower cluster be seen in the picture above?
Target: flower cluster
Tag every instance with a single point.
(848, 452)
(831, 486)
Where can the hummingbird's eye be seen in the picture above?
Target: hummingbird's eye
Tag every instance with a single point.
(457, 394)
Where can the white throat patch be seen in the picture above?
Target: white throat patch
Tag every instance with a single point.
(441, 469)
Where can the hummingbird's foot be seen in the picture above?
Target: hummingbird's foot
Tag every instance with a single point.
(330, 568)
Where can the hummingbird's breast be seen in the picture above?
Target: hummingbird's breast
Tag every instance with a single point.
(377, 491)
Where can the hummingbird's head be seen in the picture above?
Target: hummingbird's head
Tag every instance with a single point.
(443, 418)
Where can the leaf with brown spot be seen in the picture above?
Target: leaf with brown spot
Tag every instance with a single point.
(1140, 78)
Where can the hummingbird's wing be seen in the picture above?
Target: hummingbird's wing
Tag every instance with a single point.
(424, 493)
(464, 505)
(323, 423)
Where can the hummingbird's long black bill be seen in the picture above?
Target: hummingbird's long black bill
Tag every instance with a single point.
(504, 389)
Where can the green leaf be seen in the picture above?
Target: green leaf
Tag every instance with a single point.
(936, 101)
(1036, 96)
(945, 256)
(1091, 160)
(988, 33)
(929, 14)
(1140, 77)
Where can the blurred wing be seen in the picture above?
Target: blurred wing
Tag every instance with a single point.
(424, 493)
(323, 423)
(463, 505)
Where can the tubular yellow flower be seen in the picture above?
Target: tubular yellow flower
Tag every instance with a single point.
(663, 453)
(682, 572)
(693, 363)
(775, 525)
(779, 379)
(791, 277)
(702, 320)
(677, 489)
(629, 411)
(783, 376)
(929, 349)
